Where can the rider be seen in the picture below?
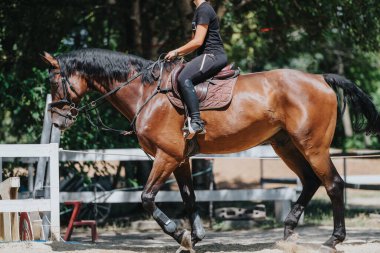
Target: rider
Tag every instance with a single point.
(211, 58)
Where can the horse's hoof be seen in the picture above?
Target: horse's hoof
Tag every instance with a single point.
(287, 246)
(186, 244)
(183, 250)
(326, 249)
(292, 238)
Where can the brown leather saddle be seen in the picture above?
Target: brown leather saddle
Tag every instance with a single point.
(214, 93)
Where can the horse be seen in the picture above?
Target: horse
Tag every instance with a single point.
(295, 112)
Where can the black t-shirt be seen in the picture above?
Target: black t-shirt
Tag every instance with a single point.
(205, 15)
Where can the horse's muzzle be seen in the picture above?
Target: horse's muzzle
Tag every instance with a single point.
(61, 122)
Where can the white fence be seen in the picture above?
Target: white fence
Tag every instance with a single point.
(282, 197)
(41, 205)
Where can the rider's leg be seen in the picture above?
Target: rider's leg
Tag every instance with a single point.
(196, 71)
(192, 103)
(186, 79)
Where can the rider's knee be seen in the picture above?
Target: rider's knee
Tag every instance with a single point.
(188, 83)
(185, 83)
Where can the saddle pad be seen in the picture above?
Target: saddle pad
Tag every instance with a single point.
(219, 94)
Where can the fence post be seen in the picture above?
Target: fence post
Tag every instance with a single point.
(261, 172)
(45, 137)
(1, 169)
(55, 138)
(30, 178)
(211, 188)
(345, 180)
(54, 191)
(282, 209)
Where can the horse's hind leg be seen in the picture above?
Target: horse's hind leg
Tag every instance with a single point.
(185, 184)
(315, 149)
(163, 167)
(334, 184)
(293, 158)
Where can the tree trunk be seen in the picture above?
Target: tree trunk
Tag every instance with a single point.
(221, 9)
(136, 19)
(346, 115)
(186, 11)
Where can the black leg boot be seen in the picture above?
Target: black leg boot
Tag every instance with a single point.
(192, 103)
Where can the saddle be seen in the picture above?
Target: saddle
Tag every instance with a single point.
(214, 93)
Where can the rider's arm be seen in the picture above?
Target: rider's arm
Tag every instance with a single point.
(195, 43)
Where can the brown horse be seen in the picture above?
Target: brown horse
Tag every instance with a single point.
(294, 111)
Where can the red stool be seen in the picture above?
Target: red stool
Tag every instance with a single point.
(73, 223)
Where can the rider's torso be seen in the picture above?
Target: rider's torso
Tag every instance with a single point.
(213, 43)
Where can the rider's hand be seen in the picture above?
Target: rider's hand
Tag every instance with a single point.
(171, 55)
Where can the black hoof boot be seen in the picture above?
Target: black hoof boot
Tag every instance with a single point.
(289, 233)
(329, 245)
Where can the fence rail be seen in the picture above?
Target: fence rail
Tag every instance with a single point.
(282, 197)
(29, 205)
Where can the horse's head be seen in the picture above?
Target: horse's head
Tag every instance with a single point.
(66, 92)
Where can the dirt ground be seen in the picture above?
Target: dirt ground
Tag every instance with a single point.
(255, 240)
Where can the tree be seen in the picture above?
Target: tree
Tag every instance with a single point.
(258, 35)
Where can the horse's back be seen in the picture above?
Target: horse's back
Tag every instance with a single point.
(285, 86)
(298, 101)
(279, 78)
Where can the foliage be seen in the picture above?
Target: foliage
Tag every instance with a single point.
(22, 106)
(314, 36)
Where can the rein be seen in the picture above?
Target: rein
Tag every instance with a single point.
(94, 104)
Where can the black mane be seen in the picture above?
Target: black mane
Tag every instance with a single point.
(104, 65)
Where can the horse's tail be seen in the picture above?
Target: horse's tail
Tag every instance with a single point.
(365, 116)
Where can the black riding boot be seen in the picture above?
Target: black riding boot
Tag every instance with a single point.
(191, 100)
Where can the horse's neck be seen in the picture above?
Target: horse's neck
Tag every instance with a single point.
(126, 99)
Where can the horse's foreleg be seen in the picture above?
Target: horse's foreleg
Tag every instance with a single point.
(163, 166)
(185, 184)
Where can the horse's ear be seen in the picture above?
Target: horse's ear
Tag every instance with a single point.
(49, 59)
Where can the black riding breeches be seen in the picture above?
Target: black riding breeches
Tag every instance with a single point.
(202, 67)
(196, 71)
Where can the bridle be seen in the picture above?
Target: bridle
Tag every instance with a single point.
(66, 100)
(94, 104)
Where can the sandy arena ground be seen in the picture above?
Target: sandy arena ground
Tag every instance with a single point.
(358, 240)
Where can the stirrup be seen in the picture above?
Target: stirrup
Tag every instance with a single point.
(189, 132)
